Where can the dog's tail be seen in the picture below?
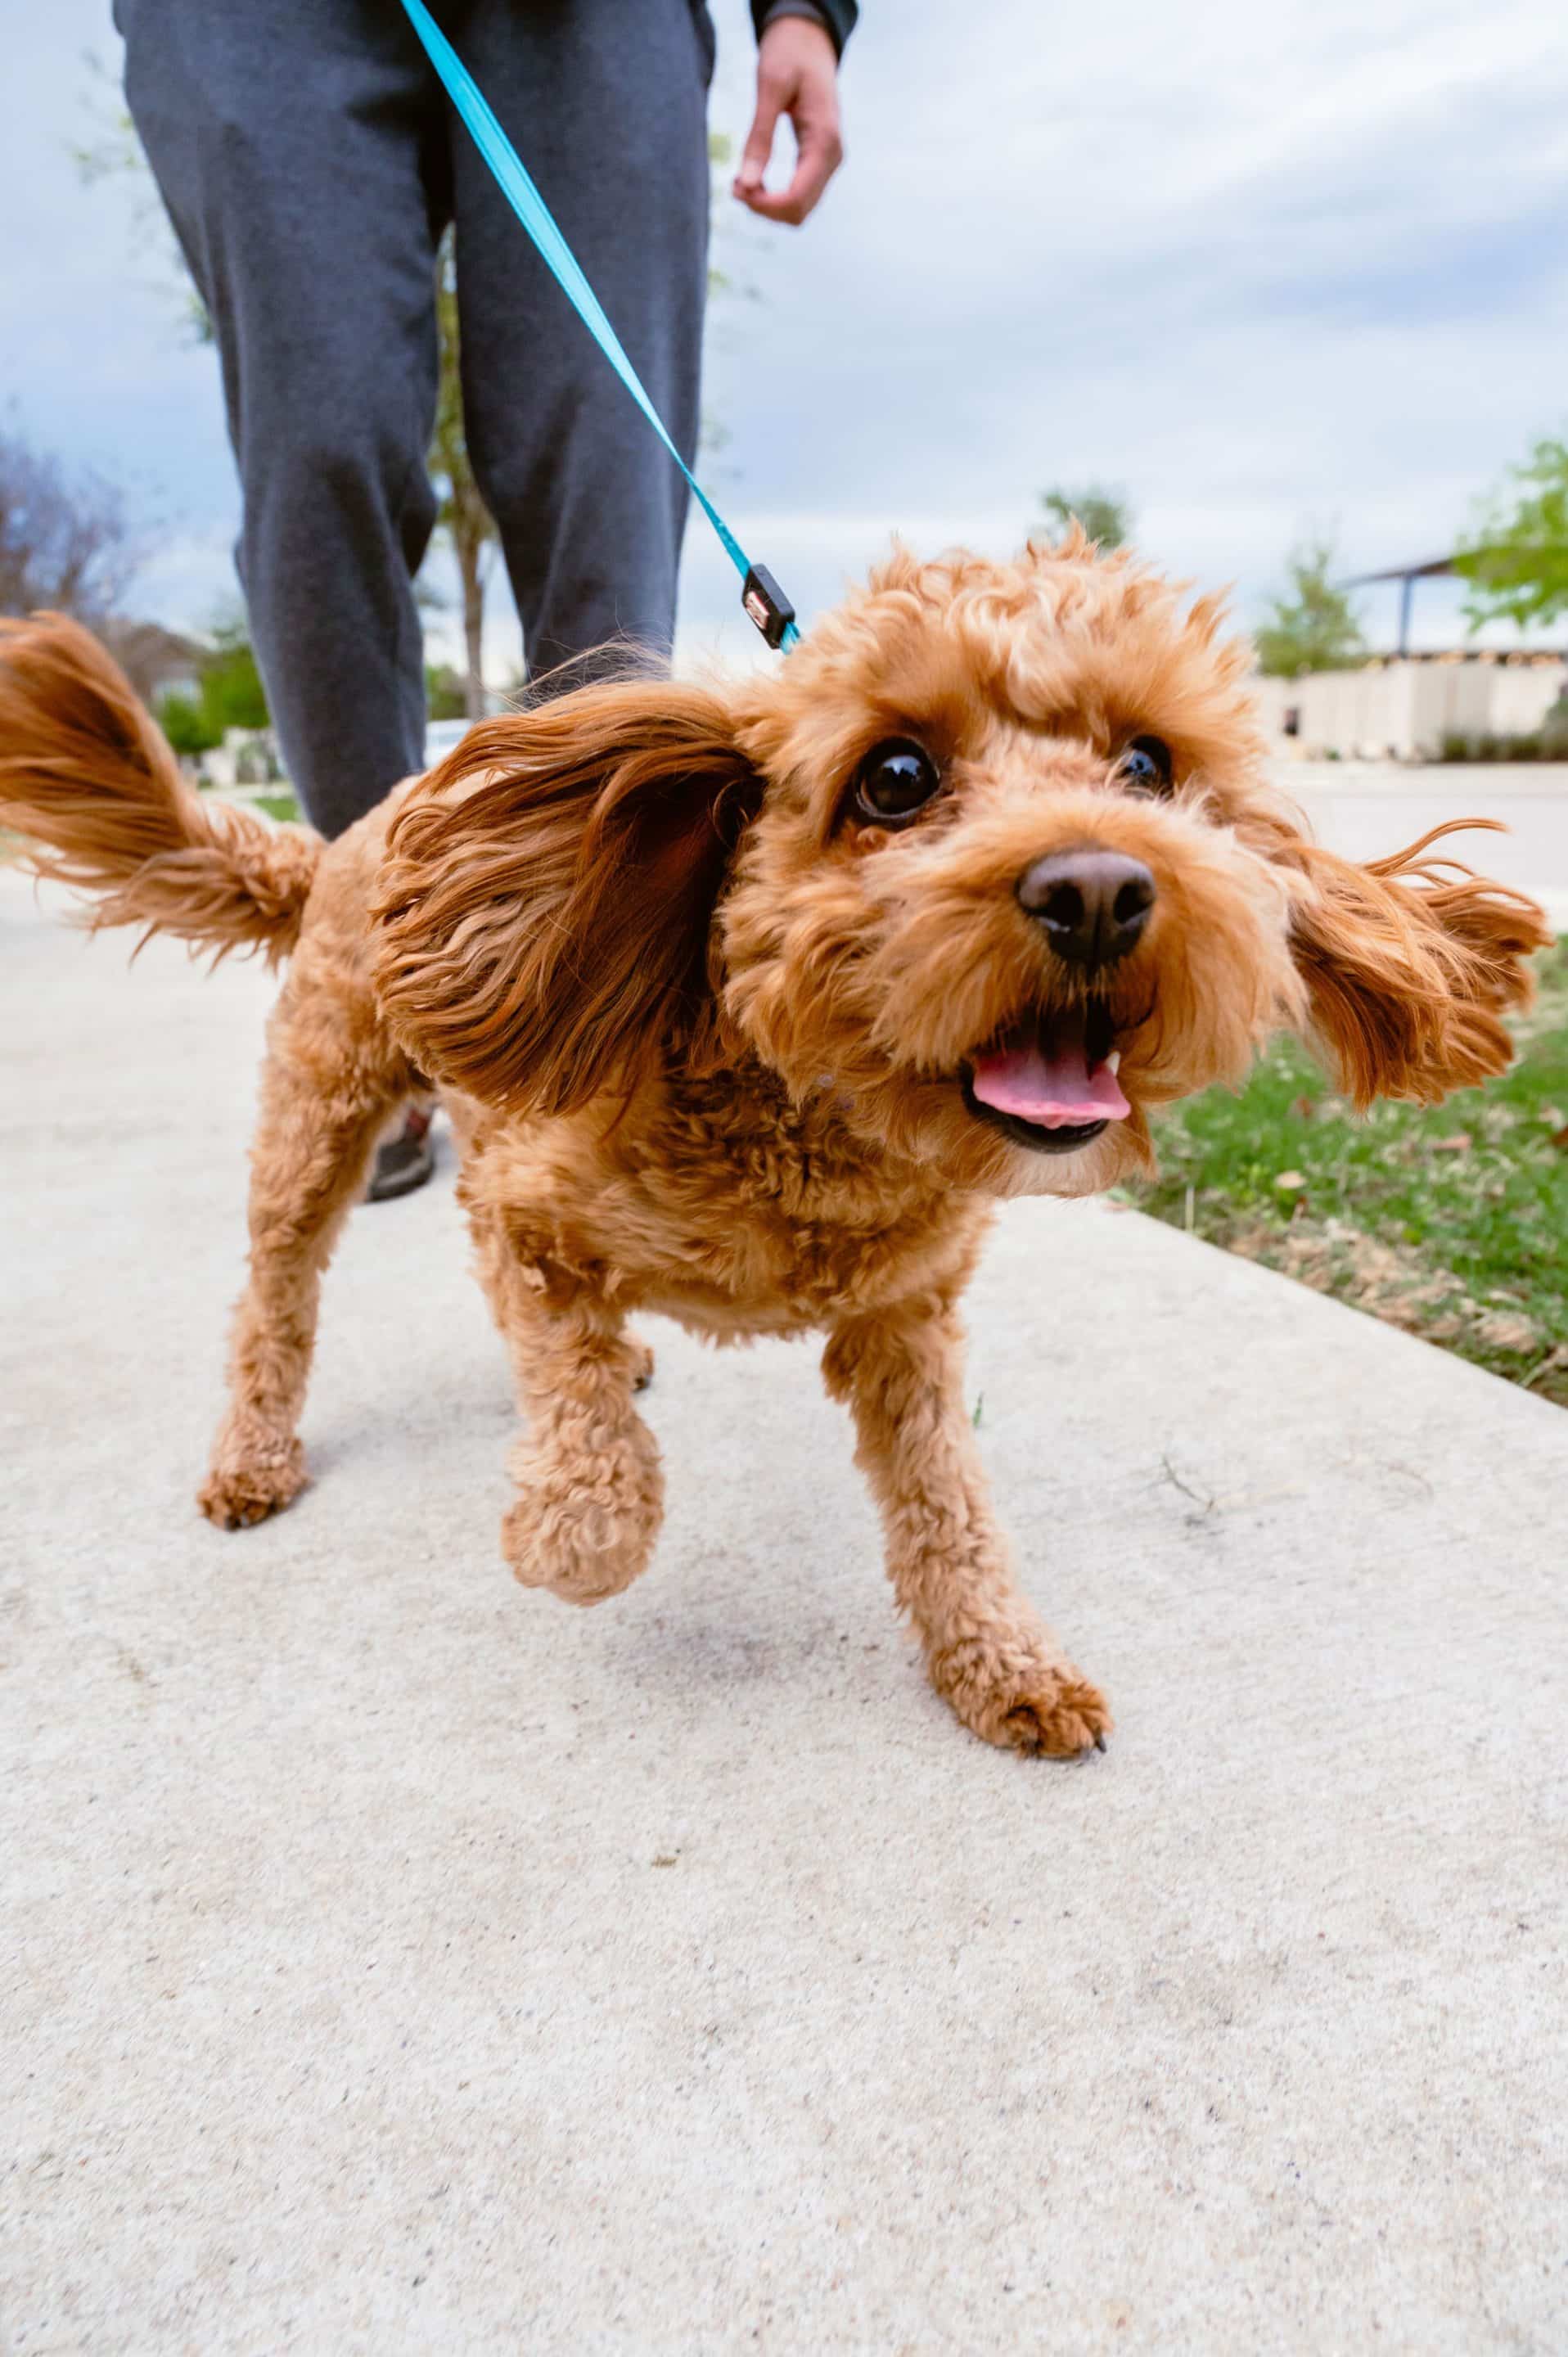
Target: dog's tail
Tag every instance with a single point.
(87, 778)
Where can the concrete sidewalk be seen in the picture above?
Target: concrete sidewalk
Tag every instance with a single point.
(396, 1961)
(1366, 809)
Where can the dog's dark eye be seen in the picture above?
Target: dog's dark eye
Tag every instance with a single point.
(895, 783)
(1145, 766)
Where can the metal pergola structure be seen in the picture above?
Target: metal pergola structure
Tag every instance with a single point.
(1407, 576)
(1434, 568)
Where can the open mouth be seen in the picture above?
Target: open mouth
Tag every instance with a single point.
(1050, 1083)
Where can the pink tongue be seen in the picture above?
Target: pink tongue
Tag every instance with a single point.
(1053, 1091)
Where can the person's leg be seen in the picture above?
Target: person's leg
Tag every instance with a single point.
(606, 106)
(300, 147)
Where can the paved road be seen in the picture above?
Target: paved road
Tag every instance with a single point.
(1365, 809)
(399, 1962)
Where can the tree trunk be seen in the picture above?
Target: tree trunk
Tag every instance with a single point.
(470, 568)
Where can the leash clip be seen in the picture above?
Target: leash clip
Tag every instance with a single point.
(768, 607)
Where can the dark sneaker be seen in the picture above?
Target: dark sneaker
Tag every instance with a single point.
(404, 1161)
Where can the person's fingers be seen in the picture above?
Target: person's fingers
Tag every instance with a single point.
(759, 149)
(819, 154)
(797, 75)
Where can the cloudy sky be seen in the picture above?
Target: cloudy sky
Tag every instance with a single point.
(1268, 265)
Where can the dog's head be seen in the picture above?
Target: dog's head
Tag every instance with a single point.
(990, 858)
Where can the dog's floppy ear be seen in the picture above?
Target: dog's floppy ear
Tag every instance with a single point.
(1409, 963)
(543, 907)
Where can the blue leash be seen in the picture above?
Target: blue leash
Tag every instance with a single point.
(764, 601)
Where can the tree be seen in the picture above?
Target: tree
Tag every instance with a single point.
(1516, 560)
(462, 514)
(445, 692)
(64, 542)
(1313, 627)
(186, 726)
(232, 695)
(1104, 513)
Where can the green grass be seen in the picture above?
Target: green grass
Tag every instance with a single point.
(1452, 1223)
(279, 805)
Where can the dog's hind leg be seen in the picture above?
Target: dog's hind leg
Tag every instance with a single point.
(987, 1651)
(332, 1078)
(590, 1488)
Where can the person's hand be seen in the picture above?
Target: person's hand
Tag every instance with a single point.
(797, 75)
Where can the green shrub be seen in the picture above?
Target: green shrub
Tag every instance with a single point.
(1554, 732)
(232, 695)
(187, 727)
(1456, 746)
(445, 692)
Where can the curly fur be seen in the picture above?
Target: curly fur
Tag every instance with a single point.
(702, 1031)
(1409, 986)
(610, 819)
(88, 776)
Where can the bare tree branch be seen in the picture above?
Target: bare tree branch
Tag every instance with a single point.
(64, 543)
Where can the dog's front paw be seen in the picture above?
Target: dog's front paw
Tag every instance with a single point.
(1042, 1706)
(253, 1475)
(585, 1531)
(1056, 1718)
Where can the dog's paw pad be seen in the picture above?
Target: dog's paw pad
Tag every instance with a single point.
(585, 1561)
(1023, 1702)
(1060, 1720)
(236, 1497)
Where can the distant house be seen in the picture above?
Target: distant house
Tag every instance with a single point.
(1401, 707)
(156, 661)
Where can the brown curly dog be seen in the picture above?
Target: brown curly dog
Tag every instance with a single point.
(747, 1002)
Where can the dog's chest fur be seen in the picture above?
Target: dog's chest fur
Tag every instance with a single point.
(718, 1202)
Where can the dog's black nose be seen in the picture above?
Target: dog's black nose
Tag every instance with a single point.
(1093, 905)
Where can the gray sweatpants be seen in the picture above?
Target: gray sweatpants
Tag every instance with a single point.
(310, 161)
